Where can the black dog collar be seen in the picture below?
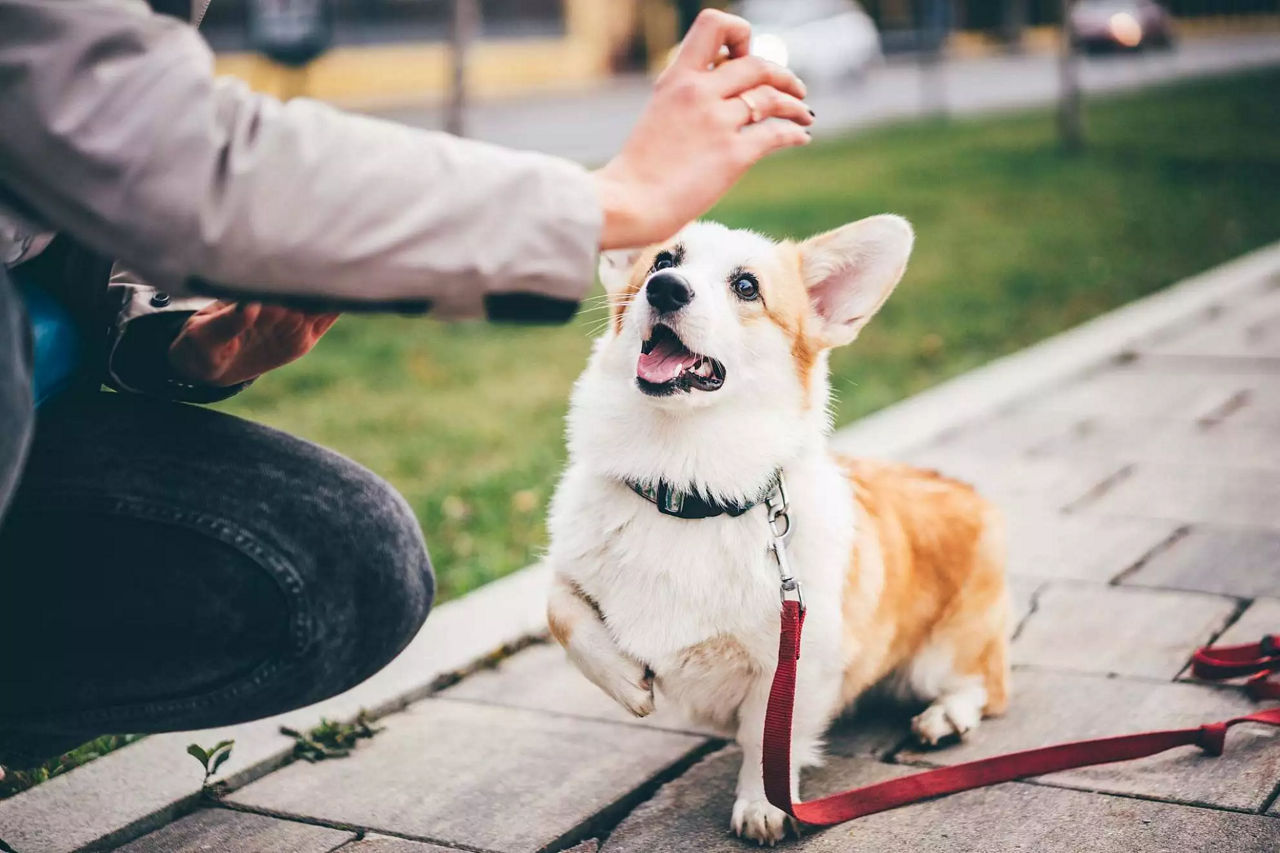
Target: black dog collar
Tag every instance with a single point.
(681, 504)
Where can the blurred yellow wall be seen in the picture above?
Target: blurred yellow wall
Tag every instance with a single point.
(390, 73)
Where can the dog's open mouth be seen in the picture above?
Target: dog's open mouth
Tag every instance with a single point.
(666, 365)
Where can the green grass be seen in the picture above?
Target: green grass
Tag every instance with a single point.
(1015, 242)
(17, 780)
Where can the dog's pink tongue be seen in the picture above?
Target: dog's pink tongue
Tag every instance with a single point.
(664, 362)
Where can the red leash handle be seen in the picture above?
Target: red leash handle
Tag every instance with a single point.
(1256, 659)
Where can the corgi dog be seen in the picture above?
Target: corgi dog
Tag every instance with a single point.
(710, 383)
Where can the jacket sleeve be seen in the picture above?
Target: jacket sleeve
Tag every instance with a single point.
(113, 127)
(144, 323)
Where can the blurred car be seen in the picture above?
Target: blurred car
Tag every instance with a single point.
(1120, 25)
(820, 40)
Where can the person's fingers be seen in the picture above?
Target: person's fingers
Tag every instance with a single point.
(712, 30)
(224, 320)
(323, 323)
(764, 102)
(759, 140)
(307, 326)
(739, 75)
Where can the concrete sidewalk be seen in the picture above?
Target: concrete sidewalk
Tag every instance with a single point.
(1138, 460)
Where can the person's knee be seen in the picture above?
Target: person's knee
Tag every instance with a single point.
(371, 583)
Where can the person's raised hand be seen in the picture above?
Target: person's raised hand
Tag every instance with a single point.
(705, 125)
(227, 343)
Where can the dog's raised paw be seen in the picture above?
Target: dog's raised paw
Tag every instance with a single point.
(761, 821)
(631, 687)
(636, 698)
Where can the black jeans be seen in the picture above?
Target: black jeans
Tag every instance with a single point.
(167, 567)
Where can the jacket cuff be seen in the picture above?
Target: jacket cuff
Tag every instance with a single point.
(559, 248)
(138, 354)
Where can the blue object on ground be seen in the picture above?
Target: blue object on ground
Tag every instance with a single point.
(55, 341)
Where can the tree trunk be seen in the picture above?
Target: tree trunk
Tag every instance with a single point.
(1013, 20)
(932, 35)
(465, 27)
(1070, 120)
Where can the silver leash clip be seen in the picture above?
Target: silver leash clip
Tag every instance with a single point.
(780, 527)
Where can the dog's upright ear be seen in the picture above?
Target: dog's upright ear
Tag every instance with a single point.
(851, 271)
(615, 268)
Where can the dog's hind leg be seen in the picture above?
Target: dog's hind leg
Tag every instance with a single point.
(963, 669)
(577, 625)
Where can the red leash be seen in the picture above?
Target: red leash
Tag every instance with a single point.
(1257, 660)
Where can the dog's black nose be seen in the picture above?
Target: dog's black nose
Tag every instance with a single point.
(668, 292)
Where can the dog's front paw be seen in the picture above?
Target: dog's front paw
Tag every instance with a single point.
(627, 681)
(761, 821)
(632, 688)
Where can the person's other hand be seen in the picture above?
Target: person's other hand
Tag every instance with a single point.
(227, 343)
(703, 128)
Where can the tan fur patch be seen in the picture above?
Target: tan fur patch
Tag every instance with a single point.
(715, 653)
(562, 621)
(787, 305)
(561, 627)
(936, 546)
(620, 301)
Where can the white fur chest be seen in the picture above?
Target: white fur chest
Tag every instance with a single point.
(665, 585)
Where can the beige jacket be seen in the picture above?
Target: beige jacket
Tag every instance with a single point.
(114, 129)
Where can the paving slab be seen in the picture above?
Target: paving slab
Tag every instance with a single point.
(540, 678)
(591, 845)
(1023, 592)
(476, 775)
(1228, 497)
(1118, 630)
(1048, 544)
(1139, 390)
(1016, 482)
(1054, 707)
(1227, 443)
(387, 844)
(692, 813)
(86, 806)
(1253, 403)
(1262, 616)
(1243, 563)
(1249, 330)
(221, 830)
(1015, 431)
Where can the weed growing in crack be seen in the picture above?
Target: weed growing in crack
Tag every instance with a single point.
(211, 759)
(330, 739)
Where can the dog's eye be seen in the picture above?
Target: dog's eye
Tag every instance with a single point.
(746, 287)
(664, 261)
